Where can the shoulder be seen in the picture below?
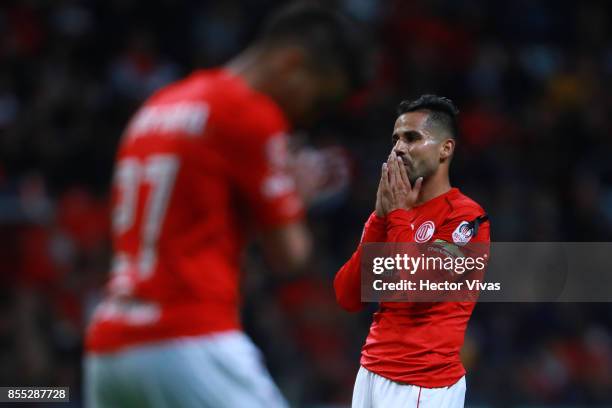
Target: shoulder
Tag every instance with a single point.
(228, 95)
(261, 116)
(460, 205)
(465, 220)
(248, 111)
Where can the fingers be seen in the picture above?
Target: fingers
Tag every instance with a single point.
(403, 173)
(395, 189)
(384, 180)
(378, 208)
(380, 184)
(417, 186)
(393, 170)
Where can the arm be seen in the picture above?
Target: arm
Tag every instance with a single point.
(394, 192)
(399, 227)
(267, 187)
(347, 283)
(287, 248)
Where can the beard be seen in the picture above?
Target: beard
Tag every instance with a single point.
(414, 174)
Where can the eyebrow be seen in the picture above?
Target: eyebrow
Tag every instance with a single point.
(405, 134)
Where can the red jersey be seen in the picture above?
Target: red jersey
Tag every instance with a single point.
(200, 165)
(415, 343)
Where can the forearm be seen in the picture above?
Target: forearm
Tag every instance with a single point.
(347, 283)
(399, 227)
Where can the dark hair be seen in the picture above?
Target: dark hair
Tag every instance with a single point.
(331, 39)
(443, 111)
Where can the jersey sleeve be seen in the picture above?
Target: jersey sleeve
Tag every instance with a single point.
(261, 171)
(465, 225)
(399, 227)
(347, 283)
(465, 234)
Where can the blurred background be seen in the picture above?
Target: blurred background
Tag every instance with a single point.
(532, 79)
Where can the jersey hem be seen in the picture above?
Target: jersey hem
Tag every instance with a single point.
(403, 380)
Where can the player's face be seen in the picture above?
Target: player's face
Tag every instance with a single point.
(414, 143)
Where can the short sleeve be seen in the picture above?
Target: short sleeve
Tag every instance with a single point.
(260, 169)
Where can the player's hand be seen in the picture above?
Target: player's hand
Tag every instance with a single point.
(382, 204)
(384, 196)
(397, 188)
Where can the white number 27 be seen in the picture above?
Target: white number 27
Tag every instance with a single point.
(159, 172)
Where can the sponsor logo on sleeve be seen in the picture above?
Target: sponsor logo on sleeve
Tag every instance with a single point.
(276, 185)
(463, 233)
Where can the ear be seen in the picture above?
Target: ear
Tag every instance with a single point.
(447, 148)
(290, 58)
(290, 69)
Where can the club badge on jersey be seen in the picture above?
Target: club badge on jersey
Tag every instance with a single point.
(468, 229)
(424, 232)
(463, 233)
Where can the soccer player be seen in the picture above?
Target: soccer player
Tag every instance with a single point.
(411, 355)
(201, 167)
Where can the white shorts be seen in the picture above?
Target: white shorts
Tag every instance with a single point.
(220, 370)
(373, 391)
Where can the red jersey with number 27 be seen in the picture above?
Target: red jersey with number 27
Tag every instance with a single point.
(201, 165)
(415, 343)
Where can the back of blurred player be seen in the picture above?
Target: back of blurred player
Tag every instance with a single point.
(201, 166)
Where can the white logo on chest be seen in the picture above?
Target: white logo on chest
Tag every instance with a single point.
(424, 232)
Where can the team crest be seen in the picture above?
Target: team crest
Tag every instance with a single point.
(463, 233)
(424, 232)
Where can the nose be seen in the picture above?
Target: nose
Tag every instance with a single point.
(400, 148)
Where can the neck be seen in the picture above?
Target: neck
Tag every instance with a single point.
(434, 186)
(248, 66)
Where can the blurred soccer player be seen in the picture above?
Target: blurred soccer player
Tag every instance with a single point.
(201, 166)
(411, 355)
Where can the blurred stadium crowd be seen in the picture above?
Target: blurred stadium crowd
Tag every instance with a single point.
(532, 80)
